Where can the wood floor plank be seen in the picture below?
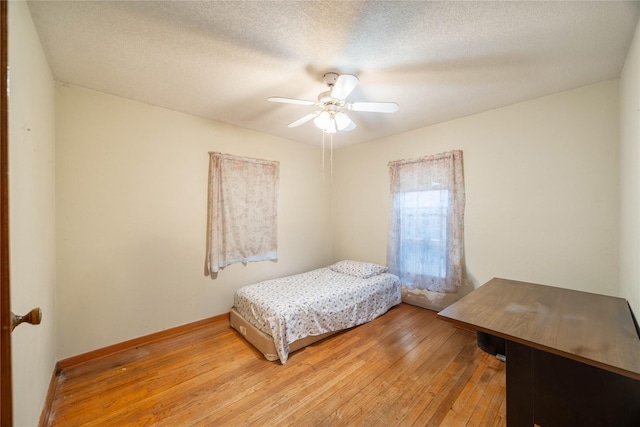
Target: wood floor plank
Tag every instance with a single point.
(405, 368)
(337, 352)
(409, 390)
(448, 364)
(490, 405)
(475, 397)
(451, 389)
(393, 380)
(351, 393)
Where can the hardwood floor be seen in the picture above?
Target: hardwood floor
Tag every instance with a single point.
(405, 368)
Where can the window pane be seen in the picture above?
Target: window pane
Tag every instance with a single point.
(423, 231)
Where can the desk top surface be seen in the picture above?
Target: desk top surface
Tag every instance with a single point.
(594, 329)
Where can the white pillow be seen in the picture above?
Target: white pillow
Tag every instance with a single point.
(364, 270)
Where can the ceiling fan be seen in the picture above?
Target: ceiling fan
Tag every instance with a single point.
(331, 116)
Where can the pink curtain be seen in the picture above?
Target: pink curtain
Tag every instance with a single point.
(426, 222)
(243, 205)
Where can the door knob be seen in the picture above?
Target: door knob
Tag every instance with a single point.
(34, 317)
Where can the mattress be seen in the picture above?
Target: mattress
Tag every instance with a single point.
(314, 303)
(263, 342)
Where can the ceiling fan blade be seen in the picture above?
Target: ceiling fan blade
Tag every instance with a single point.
(343, 86)
(304, 119)
(374, 107)
(291, 101)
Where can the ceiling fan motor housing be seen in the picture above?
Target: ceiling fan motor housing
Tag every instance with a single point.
(327, 100)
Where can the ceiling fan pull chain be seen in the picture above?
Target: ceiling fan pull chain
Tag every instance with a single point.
(323, 156)
(331, 156)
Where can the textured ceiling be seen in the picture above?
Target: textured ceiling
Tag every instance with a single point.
(437, 60)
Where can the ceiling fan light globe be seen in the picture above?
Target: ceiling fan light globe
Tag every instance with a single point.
(349, 127)
(342, 120)
(323, 121)
(332, 127)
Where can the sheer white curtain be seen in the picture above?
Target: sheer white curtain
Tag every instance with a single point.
(243, 205)
(426, 222)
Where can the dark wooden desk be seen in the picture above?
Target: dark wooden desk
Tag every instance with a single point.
(573, 358)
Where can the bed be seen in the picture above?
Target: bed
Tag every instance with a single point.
(282, 315)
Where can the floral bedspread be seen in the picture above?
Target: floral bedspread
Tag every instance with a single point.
(313, 303)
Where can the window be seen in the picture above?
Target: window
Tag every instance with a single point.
(426, 222)
(423, 231)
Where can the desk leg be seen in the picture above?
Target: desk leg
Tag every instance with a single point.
(519, 385)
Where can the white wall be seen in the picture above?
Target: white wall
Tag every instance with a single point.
(541, 180)
(32, 214)
(132, 210)
(630, 176)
